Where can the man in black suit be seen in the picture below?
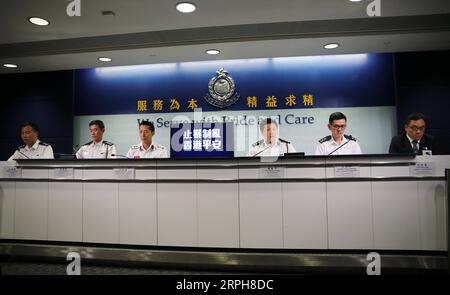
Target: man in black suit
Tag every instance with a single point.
(414, 139)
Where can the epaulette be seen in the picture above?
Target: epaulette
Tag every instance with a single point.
(326, 138)
(108, 143)
(135, 147)
(43, 143)
(349, 137)
(22, 147)
(282, 140)
(88, 143)
(258, 143)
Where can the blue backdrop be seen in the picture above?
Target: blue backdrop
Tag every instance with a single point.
(334, 81)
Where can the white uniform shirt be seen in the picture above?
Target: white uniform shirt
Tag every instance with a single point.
(154, 151)
(101, 150)
(39, 150)
(327, 145)
(264, 150)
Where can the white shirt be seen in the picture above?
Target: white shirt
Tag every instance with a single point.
(154, 151)
(411, 141)
(327, 145)
(262, 149)
(39, 150)
(101, 150)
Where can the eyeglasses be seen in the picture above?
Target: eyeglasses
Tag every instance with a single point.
(417, 128)
(339, 126)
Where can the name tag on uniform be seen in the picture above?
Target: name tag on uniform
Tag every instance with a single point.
(12, 172)
(271, 172)
(422, 169)
(347, 171)
(63, 173)
(124, 173)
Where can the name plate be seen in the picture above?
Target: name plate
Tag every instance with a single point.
(124, 173)
(347, 171)
(12, 172)
(271, 172)
(423, 169)
(63, 173)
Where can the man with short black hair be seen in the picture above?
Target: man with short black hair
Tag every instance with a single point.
(147, 148)
(97, 148)
(271, 144)
(33, 148)
(338, 143)
(414, 139)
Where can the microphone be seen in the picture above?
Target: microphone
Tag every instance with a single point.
(75, 150)
(267, 147)
(120, 156)
(22, 154)
(286, 143)
(349, 137)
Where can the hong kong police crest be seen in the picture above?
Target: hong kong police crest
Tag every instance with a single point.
(221, 90)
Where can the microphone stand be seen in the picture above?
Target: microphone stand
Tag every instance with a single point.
(350, 138)
(22, 154)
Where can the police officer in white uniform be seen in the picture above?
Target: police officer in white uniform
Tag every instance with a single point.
(147, 148)
(33, 148)
(97, 148)
(271, 145)
(338, 143)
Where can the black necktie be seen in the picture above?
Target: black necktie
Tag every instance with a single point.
(415, 146)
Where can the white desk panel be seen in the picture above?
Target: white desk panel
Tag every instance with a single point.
(138, 213)
(219, 173)
(101, 212)
(65, 211)
(396, 215)
(350, 215)
(390, 171)
(305, 215)
(7, 204)
(35, 173)
(145, 174)
(433, 215)
(260, 211)
(107, 173)
(218, 215)
(177, 214)
(31, 210)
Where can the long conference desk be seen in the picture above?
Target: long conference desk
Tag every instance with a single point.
(361, 203)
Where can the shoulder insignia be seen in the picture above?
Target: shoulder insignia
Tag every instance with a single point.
(108, 143)
(88, 143)
(22, 147)
(326, 138)
(135, 147)
(282, 140)
(43, 143)
(349, 137)
(258, 143)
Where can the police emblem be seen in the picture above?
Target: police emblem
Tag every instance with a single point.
(221, 90)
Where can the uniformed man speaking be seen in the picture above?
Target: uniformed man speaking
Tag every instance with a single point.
(271, 145)
(97, 148)
(338, 143)
(33, 148)
(147, 148)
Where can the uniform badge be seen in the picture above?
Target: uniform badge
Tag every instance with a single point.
(221, 90)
